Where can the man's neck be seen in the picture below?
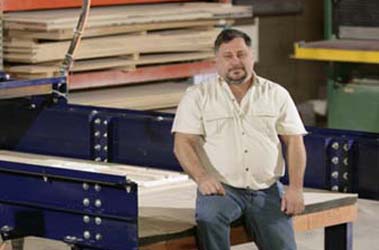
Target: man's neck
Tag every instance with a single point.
(240, 90)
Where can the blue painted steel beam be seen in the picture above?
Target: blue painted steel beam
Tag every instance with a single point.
(34, 82)
(74, 206)
(338, 160)
(111, 234)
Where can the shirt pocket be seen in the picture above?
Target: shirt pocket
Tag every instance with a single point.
(216, 123)
(264, 121)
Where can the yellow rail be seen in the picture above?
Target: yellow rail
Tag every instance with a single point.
(339, 55)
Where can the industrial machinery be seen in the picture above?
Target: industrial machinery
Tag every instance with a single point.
(55, 203)
(352, 50)
(88, 209)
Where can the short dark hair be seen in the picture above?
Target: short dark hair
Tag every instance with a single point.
(228, 35)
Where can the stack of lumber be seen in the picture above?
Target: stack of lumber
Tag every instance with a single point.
(142, 97)
(115, 37)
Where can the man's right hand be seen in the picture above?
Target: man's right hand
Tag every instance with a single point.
(208, 185)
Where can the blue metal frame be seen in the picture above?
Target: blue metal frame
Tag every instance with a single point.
(75, 206)
(339, 160)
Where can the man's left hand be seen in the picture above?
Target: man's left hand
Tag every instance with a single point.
(293, 201)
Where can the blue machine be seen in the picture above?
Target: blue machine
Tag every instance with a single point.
(100, 211)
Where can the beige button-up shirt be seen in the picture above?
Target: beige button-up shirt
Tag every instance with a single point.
(240, 140)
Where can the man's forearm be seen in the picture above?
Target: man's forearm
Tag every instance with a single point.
(188, 153)
(296, 158)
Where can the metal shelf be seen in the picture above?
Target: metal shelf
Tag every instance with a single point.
(357, 51)
(144, 74)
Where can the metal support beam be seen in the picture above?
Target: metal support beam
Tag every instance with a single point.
(339, 237)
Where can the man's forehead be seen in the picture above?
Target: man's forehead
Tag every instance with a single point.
(238, 41)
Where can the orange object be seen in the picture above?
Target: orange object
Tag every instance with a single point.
(12, 5)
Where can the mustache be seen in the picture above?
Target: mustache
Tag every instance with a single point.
(237, 67)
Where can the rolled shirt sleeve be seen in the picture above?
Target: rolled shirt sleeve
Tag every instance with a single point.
(289, 121)
(188, 118)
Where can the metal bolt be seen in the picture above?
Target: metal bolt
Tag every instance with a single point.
(98, 203)
(97, 187)
(45, 179)
(86, 202)
(69, 238)
(345, 161)
(105, 148)
(33, 106)
(105, 160)
(128, 189)
(346, 175)
(98, 221)
(335, 145)
(86, 235)
(97, 133)
(105, 122)
(97, 147)
(335, 175)
(335, 160)
(160, 118)
(345, 190)
(94, 112)
(99, 237)
(86, 219)
(85, 186)
(98, 159)
(97, 121)
(6, 229)
(335, 188)
(105, 135)
(346, 147)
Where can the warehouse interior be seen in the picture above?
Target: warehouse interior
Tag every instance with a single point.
(94, 125)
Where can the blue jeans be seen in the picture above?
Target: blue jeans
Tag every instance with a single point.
(270, 228)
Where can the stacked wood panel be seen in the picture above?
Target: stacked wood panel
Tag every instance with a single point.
(116, 36)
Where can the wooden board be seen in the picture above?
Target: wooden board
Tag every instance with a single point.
(122, 15)
(125, 62)
(141, 97)
(66, 34)
(177, 214)
(143, 176)
(178, 41)
(25, 91)
(359, 33)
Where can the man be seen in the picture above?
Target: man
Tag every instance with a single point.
(227, 139)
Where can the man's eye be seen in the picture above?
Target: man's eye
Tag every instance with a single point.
(242, 55)
(228, 56)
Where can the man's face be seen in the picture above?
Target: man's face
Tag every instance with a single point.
(234, 61)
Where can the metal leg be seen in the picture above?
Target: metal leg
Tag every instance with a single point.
(339, 237)
(18, 244)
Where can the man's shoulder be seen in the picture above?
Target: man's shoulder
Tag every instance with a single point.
(269, 85)
(204, 87)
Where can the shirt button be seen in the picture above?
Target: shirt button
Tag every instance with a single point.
(243, 133)
(247, 169)
(246, 151)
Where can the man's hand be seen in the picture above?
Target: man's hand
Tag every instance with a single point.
(208, 185)
(293, 201)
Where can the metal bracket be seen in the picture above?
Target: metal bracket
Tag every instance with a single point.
(99, 136)
(339, 162)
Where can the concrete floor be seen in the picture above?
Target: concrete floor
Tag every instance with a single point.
(366, 234)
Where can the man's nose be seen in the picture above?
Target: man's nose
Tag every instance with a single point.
(235, 60)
